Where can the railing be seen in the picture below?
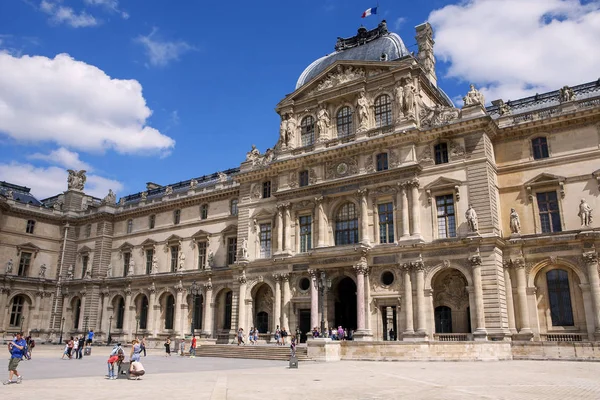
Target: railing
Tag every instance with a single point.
(451, 337)
(562, 337)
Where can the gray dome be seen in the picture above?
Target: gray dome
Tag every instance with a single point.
(389, 44)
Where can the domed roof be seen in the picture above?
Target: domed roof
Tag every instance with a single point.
(374, 45)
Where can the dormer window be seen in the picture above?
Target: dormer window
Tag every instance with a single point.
(344, 122)
(539, 146)
(307, 131)
(383, 111)
(441, 153)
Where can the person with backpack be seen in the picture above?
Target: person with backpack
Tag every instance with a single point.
(16, 349)
(117, 355)
(31, 346)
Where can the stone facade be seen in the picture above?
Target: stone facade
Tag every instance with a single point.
(397, 214)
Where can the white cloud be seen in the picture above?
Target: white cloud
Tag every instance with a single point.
(398, 23)
(515, 48)
(61, 14)
(75, 105)
(64, 158)
(111, 5)
(161, 52)
(47, 182)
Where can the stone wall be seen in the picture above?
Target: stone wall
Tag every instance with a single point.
(570, 351)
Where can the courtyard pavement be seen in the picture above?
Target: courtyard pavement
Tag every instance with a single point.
(49, 377)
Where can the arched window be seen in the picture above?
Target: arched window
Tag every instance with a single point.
(344, 122)
(559, 297)
(307, 131)
(120, 313)
(76, 313)
(383, 111)
(539, 146)
(441, 153)
(144, 313)
(198, 306)
(16, 313)
(228, 308)
(346, 225)
(169, 311)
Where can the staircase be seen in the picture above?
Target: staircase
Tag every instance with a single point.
(257, 352)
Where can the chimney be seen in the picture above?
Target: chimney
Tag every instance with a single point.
(426, 58)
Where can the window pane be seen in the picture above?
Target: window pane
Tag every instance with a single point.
(346, 231)
(559, 296)
(383, 111)
(307, 131)
(445, 215)
(549, 213)
(441, 153)
(344, 122)
(386, 222)
(305, 233)
(265, 240)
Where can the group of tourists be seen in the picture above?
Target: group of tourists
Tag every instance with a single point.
(117, 356)
(192, 350)
(335, 334)
(75, 345)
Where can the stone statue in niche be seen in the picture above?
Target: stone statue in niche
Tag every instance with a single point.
(399, 94)
(76, 179)
(42, 273)
(154, 264)
(70, 272)
(181, 265)
(473, 97)
(109, 271)
(585, 213)
(244, 249)
(471, 217)
(9, 267)
(131, 268)
(323, 121)
(410, 99)
(363, 112)
(515, 222)
(88, 274)
(210, 259)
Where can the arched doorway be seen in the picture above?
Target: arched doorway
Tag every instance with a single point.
(450, 302)
(263, 308)
(169, 311)
(345, 304)
(143, 312)
(76, 310)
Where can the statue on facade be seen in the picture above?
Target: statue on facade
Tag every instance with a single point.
(222, 176)
(210, 259)
(471, 217)
(193, 184)
(168, 190)
(410, 93)
(131, 267)
(283, 130)
(154, 264)
(9, 194)
(109, 271)
(253, 155)
(57, 205)
(70, 272)
(76, 179)
(585, 213)
(515, 222)
(181, 264)
(323, 121)
(42, 273)
(473, 97)
(110, 198)
(566, 94)
(144, 196)
(363, 111)
(9, 267)
(88, 274)
(244, 249)
(399, 94)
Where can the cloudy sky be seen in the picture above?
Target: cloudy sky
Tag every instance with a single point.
(165, 91)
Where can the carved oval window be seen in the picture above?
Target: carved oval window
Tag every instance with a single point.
(387, 278)
(304, 284)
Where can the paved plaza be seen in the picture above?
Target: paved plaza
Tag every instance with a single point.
(48, 377)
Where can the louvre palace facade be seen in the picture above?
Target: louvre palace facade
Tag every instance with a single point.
(382, 208)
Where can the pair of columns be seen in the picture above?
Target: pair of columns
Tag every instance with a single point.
(282, 306)
(284, 237)
(409, 210)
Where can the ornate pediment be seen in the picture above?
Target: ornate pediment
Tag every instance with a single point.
(263, 213)
(84, 249)
(545, 179)
(230, 229)
(201, 234)
(125, 246)
(29, 247)
(441, 184)
(173, 238)
(437, 115)
(148, 243)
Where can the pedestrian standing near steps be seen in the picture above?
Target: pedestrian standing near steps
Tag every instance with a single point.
(16, 348)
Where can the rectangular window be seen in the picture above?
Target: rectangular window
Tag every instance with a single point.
(152, 221)
(305, 233)
(382, 161)
(234, 207)
(303, 178)
(266, 189)
(204, 211)
(549, 214)
(149, 257)
(84, 265)
(265, 240)
(24, 264)
(386, 222)
(176, 217)
(201, 255)
(446, 217)
(126, 260)
(174, 256)
(231, 250)
(30, 226)
(441, 153)
(88, 230)
(540, 148)
(129, 225)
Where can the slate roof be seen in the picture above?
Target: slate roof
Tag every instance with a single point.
(21, 194)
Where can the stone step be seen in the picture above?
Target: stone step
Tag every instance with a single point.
(251, 352)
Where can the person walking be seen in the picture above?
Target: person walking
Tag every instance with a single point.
(90, 337)
(193, 347)
(16, 349)
(182, 347)
(240, 336)
(168, 347)
(143, 345)
(74, 344)
(81, 342)
(136, 349)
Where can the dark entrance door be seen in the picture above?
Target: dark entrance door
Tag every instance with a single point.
(262, 322)
(345, 304)
(388, 315)
(304, 324)
(443, 319)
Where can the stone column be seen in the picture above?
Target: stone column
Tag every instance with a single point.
(510, 305)
(361, 269)
(4, 292)
(420, 289)
(591, 262)
(480, 333)
(277, 305)
(151, 314)
(208, 309)
(368, 301)
(105, 316)
(320, 221)
(178, 301)
(314, 299)
(524, 327)
(287, 228)
(408, 306)
(82, 315)
(364, 221)
(415, 209)
(285, 308)
(280, 208)
(242, 304)
(127, 314)
(404, 233)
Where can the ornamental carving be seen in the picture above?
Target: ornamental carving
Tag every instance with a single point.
(473, 97)
(437, 115)
(255, 191)
(76, 179)
(293, 180)
(342, 168)
(451, 287)
(304, 204)
(394, 159)
(369, 164)
(312, 176)
(426, 156)
(382, 190)
(455, 149)
(340, 76)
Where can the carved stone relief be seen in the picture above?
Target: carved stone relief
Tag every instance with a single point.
(342, 168)
(437, 115)
(450, 288)
(426, 156)
(339, 76)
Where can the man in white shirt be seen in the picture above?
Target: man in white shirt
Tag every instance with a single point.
(136, 370)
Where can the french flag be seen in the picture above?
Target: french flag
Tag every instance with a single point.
(369, 11)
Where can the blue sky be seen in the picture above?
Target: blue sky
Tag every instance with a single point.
(165, 91)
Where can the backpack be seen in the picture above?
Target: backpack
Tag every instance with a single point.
(32, 345)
